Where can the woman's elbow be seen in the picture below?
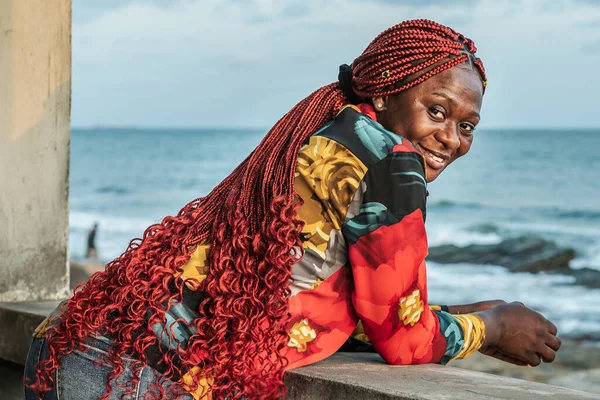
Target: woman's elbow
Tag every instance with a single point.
(403, 356)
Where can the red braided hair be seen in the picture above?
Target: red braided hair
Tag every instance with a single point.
(250, 221)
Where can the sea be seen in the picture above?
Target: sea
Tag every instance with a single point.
(543, 183)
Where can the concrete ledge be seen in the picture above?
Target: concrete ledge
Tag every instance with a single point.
(366, 376)
(342, 376)
(11, 386)
(18, 321)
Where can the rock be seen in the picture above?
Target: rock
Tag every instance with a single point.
(485, 228)
(587, 277)
(523, 254)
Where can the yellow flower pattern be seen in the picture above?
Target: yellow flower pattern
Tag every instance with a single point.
(474, 334)
(300, 335)
(359, 332)
(202, 391)
(411, 308)
(316, 284)
(40, 331)
(197, 266)
(327, 177)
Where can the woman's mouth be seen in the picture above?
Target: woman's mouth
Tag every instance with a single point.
(434, 159)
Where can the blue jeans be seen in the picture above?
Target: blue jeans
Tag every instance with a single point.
(83, 376)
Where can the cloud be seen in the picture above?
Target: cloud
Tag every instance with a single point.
(589, 2)
(245, 63)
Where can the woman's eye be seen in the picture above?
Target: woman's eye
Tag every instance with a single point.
(437, 113)
(467, 128)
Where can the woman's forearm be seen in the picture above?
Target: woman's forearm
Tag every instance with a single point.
(474, 307)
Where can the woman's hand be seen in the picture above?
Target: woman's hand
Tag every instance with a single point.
(475, 307)
(519, 335)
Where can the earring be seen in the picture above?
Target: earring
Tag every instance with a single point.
(379, 105)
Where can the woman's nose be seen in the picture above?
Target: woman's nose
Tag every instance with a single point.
(449, 137)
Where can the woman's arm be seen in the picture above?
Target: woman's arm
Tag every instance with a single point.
(468, 308)
(387, 250)
(387, 241)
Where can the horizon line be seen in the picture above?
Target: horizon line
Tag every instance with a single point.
(266, 129)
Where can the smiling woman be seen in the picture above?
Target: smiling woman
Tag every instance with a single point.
(315, 243)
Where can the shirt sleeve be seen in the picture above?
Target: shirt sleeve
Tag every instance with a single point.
(385, 231)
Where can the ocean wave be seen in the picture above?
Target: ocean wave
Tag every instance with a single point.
(113, 236)
(83, 221)
(112, 189)
(456, 235)
(589, 259)
(551, 228)
(552, 295)
(486, 228)
(510, 228)
(586, 215)
(446, 204)
(544, 212)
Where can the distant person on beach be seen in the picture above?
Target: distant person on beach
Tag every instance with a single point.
(91, 243)
(315, 242)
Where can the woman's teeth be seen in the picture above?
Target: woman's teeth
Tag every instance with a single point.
(434, 157)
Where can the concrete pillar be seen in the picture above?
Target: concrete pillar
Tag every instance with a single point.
(35, 106)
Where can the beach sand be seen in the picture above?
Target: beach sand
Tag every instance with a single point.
(81, 270)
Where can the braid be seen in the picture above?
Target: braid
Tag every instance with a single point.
(419, 47)
(250, 221)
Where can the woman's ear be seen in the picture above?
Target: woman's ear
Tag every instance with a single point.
(379, 103)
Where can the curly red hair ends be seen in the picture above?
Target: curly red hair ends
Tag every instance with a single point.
(250, 221)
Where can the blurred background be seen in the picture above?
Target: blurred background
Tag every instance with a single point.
(169, 96)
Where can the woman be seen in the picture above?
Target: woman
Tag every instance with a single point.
(316, 237)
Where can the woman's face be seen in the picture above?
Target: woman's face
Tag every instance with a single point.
(438, 116)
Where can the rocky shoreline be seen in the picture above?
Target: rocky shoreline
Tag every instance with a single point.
(577, 364)
(522, 254)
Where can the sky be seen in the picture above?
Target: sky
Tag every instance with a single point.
(245, 63)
